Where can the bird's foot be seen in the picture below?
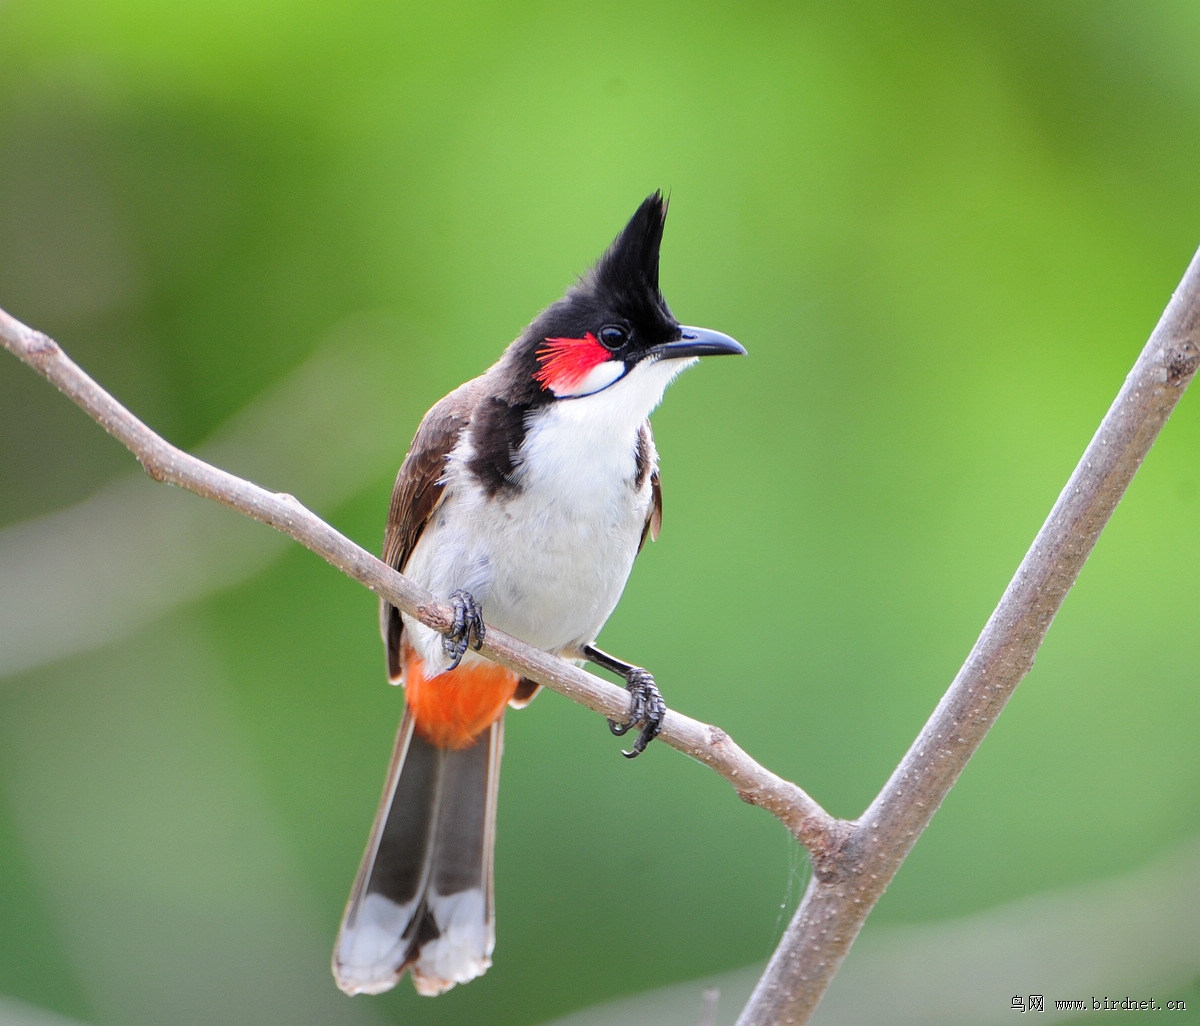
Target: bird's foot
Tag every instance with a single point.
(647, 708)
(468, 621)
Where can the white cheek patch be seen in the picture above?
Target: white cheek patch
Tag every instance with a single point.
(600, 376)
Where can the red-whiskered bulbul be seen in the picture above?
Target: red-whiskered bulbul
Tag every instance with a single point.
(523, 501)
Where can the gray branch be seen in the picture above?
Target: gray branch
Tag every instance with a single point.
(814, 827)
(836, 904)
(853, 862)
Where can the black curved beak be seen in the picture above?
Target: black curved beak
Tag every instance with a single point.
(698, 342)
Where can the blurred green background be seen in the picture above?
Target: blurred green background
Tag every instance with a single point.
(279, 231)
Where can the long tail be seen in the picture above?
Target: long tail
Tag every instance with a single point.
(423, 894)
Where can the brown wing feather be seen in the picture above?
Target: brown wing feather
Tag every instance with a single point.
(654, 514)
(646, 459)
(419, 489)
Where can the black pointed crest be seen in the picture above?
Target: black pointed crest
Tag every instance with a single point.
(631, 262)
(623, 283)
(620, 290)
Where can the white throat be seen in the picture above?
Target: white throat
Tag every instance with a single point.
(593, 437)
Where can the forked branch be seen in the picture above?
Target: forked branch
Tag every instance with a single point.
(853, 862)
(835, 906)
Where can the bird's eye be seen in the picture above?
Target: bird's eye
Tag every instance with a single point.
(612, 336)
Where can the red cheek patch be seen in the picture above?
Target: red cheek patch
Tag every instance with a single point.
(567, 361)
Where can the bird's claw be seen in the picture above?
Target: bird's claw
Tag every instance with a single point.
(646, 707)
(468, 621)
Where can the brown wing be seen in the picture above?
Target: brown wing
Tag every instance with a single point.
(654, 514)
(646, 457)
(419, 490)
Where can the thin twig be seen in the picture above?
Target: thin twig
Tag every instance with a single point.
(853, 862)
(815, 828)
(836, 905)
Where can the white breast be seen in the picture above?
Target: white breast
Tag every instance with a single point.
(549, 560)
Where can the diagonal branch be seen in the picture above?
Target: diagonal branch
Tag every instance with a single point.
(814, 827)
(835, 907)
(853, 862)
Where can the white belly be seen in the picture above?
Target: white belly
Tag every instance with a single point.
(549, 560)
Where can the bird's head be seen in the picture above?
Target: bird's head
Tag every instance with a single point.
(615, 320)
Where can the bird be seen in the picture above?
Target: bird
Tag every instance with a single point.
(523, 500)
